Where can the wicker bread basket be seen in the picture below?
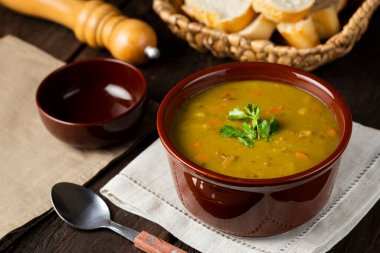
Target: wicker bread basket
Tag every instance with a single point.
(222, 44)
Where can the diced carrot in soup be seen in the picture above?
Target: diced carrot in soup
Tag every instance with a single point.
(213, 122)
(202, 157)
(276, 108)
(331, 132)
(195, 145)
(255, 94)
(315, 108)
(301, 156)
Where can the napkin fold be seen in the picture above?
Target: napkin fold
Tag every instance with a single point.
(32, 160)
(151, 194)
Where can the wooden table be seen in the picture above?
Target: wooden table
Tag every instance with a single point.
(356, 76)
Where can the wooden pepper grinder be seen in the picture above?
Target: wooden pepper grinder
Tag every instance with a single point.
(96, 23)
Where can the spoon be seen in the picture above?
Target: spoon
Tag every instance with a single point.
(83, 209)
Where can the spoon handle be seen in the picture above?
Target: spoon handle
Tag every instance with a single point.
(152, 244)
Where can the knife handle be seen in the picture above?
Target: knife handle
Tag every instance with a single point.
(152, 244)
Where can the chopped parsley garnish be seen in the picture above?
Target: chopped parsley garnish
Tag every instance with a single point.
(256, 129)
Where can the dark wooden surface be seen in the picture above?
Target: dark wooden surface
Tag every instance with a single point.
(356, 76)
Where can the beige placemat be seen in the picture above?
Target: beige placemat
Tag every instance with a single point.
(151, 194)
(31, 160)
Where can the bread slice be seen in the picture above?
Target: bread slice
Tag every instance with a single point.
(302, 34)
(229, 16)
(260, 29)
(326, 22)
(207, 18)
(283, 11)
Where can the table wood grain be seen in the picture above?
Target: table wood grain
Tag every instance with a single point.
(356, 76)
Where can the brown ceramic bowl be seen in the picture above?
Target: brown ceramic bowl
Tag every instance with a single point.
(253, 207)
(92, 103)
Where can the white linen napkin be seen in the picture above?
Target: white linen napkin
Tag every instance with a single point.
(145, 187)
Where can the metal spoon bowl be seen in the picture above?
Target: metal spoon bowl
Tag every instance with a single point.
(83, 209)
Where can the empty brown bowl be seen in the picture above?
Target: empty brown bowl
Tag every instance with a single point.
(92, 103)
(253, 207)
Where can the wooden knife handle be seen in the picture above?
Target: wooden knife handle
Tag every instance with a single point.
(96, 23)
(152, 244)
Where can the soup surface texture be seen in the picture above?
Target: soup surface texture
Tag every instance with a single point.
(308, 130)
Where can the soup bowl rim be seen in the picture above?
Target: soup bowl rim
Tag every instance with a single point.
(218, 178)
(46, 81)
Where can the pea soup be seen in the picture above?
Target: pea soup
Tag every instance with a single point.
(306, 134)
